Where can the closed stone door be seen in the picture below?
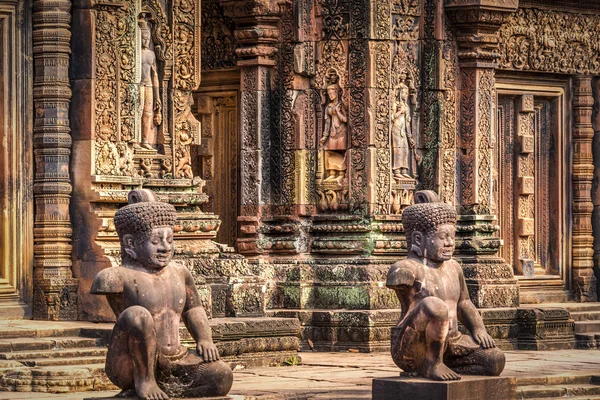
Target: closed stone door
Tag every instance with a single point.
(217, 159)
(530, 183)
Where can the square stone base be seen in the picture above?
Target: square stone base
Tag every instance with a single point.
(468, 388)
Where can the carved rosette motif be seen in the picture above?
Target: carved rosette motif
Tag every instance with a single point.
(55, 292)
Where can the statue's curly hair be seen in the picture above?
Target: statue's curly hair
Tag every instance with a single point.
(427, 214)
(143, 213)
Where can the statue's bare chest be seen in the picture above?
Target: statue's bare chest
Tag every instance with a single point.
(441, 283)
(155, 292)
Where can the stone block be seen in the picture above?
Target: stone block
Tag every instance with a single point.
(468, 388)
(545, 329)
(246, 297)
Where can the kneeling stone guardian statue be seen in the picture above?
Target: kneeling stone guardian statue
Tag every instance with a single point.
(150, 294)
(431, 288)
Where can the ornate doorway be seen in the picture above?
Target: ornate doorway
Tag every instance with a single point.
(532, 183)
(217, 159)
(16, 183)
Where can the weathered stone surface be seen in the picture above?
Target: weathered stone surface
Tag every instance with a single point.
(468, 388)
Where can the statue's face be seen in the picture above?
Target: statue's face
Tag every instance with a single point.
(145, 39)
(404, 94)
(155, 252)
(332, 93)
(439, 245)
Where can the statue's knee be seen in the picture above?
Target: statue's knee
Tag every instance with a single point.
(495, 361)
(435, 308)
(222, 378)
(136, 319)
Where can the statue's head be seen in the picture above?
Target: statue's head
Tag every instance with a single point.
(145, 33)
(403, 90)
(333, 91)
(145, 228)
(430, 226)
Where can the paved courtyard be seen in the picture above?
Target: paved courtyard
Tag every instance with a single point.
(349, 375)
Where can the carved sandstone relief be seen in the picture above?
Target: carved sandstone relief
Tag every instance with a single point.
(550, 41)
(135, 133)
(332, 115)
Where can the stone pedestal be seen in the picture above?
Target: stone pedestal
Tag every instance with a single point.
(468, 388)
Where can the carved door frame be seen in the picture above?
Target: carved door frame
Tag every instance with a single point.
(16, 159)
(559, 89)
(220, 84)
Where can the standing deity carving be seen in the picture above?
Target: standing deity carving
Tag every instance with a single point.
(402, 140)
(334, 141)
(150, 104)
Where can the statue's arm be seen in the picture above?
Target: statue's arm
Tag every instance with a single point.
(196, 321)
(404, 275)
(154, 72)
(342, 113)
(327, 127)
(468, 314)
(107, 281)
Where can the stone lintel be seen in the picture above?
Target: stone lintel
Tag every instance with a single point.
(468, 388)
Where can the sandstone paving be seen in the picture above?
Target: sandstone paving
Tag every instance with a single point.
(347, 375)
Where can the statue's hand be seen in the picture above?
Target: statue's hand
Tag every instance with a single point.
(208, 351)
(157, 104)
(482, 338)
(411, 142)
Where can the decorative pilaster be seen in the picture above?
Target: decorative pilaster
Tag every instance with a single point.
(55, 292)
(490, 280)
(257, 34)
(596, 180)
(584, 281)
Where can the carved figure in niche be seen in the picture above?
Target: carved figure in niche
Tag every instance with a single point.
(335, 135)
(402, 140)
(184, 167)
(150, 104)
(433, 293)
(150, 294)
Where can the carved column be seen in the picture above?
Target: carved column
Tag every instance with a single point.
(584, 282)
(55, 289)
(596, 180)
(491, 281)
(257, 34)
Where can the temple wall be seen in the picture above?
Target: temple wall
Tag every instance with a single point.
(329, 97)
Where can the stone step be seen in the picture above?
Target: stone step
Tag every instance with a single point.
(575, 307)
(588, 341)
(56, 379)
(39, 333)
(67, 342)
(65, 353)
(557, 391)
(79, 361)
(554, 380)
(587, 326)
(591, 315)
